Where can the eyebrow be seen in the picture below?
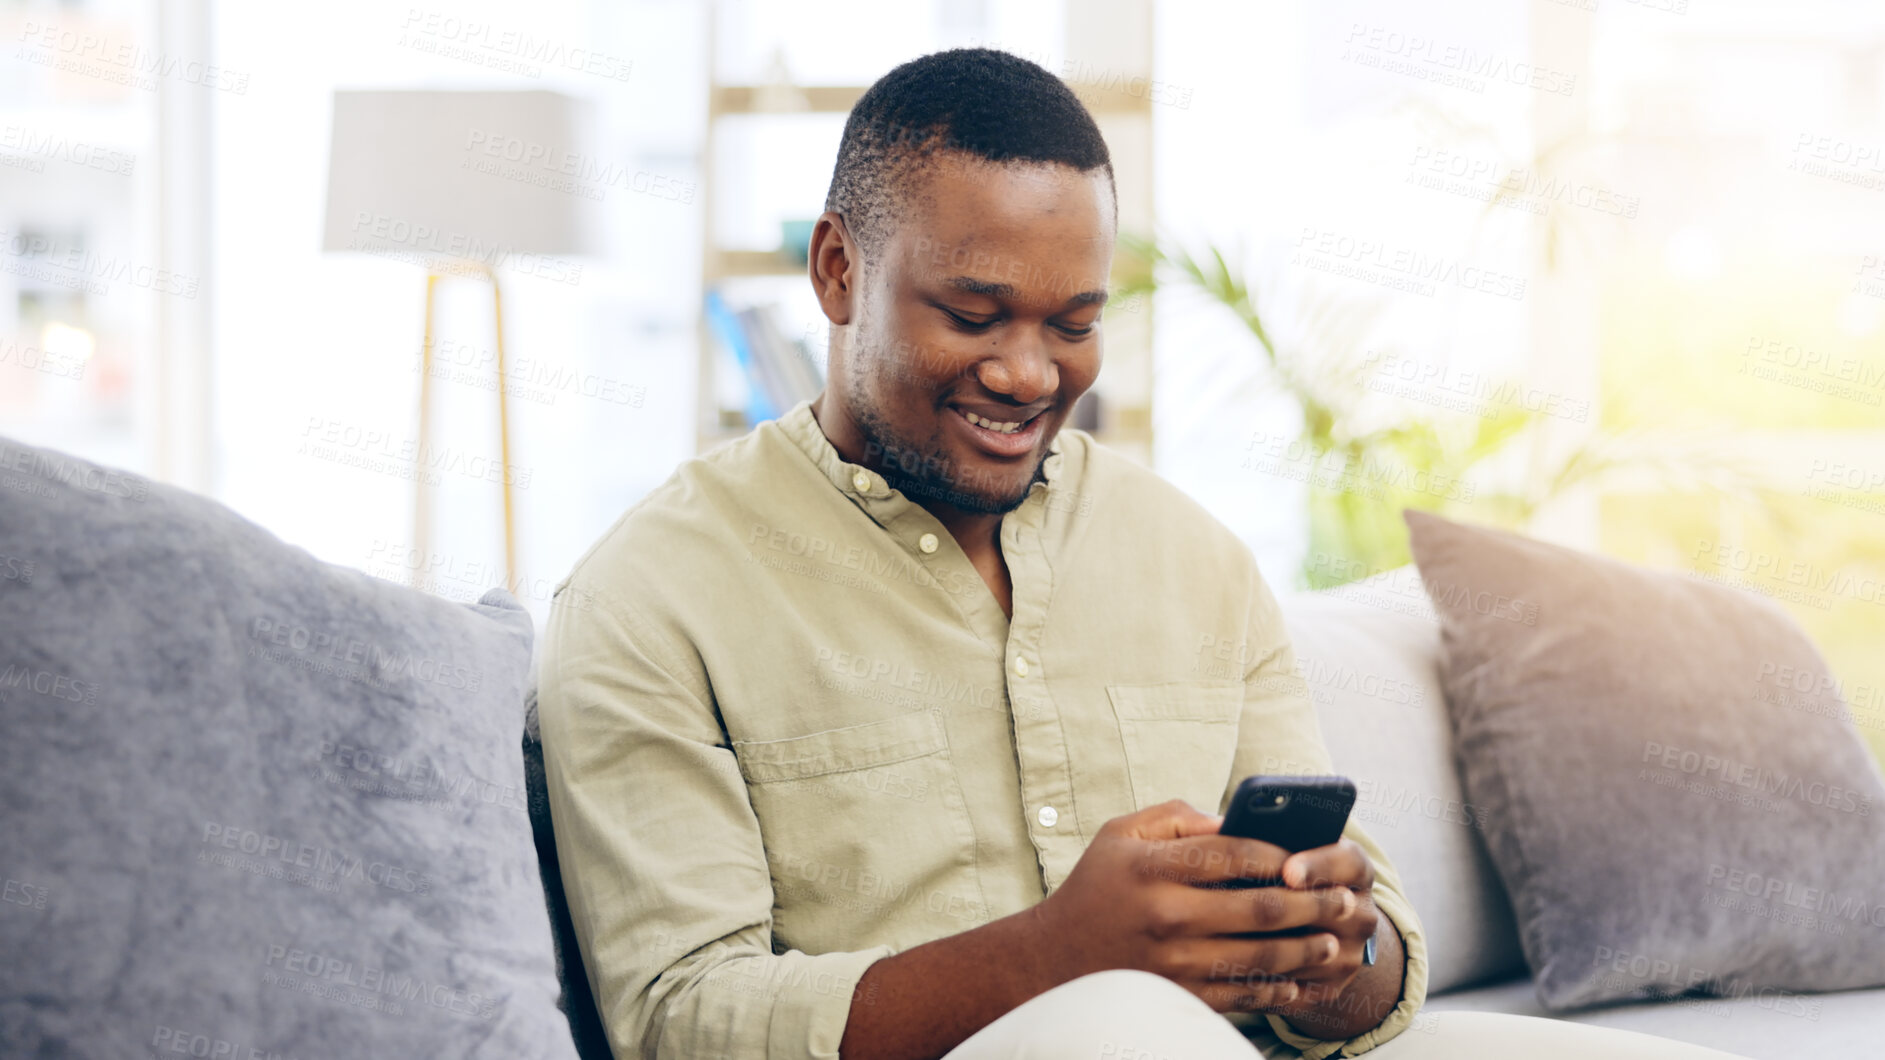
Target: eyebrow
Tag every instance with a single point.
(999, 289)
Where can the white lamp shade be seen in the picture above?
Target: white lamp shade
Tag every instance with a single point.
(462, 176)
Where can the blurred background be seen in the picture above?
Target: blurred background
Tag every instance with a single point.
(1607, 272)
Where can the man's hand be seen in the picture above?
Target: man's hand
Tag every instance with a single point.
(1134, 900)
(1342, 874)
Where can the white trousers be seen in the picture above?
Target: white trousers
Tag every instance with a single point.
(1123, 1015)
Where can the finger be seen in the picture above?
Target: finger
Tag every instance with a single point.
(1259, 996)
(1342, 863)
(1342, 912)
(1336, 910)
(1330, 960)
(1253, 960)
(1213, 858)
(1196, 911)
(1176, 819)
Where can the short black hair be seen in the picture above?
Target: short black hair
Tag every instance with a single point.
(983, 102)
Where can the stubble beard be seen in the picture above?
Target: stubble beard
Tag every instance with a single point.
(924, 471)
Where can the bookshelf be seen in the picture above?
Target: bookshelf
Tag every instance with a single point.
(1105, 54)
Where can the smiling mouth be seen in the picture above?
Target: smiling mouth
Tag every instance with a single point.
(1003, 440)
(993, 425)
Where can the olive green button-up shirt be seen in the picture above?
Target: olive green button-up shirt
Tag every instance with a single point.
(789, 731)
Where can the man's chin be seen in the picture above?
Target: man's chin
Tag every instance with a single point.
(993, 505)
(978, 501)
(938, 472)
(982, 497)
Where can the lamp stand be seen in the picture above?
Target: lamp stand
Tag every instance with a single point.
(422, 499)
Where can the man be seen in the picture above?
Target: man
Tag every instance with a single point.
(888, 732)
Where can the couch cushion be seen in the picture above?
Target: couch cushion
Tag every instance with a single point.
(579, 1001)
(1765, 1025)
(1677, 800)
(255, 804)
(1370, 654)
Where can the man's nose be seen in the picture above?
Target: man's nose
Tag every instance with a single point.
(1024, 371)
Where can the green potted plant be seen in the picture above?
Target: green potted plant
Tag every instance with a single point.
(1365, 459)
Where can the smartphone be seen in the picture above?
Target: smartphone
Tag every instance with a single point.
(1295, 813)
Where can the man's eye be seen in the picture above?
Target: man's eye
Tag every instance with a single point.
(1077, 333)
(966, 324)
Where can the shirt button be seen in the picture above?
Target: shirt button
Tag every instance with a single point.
(927, 543)
(862, 480)
(1020, 666)
(1048, 816)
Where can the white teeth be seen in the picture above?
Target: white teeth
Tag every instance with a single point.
(1002, 428)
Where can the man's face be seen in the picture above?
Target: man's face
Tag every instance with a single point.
(977, 328)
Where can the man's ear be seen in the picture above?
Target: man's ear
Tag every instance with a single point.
(834, 263)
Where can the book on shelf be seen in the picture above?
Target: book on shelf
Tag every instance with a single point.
(779, 372)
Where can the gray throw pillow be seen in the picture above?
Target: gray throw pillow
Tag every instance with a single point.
(254, 804)
(1676, 798)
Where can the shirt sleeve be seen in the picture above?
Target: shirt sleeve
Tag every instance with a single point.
(1279, 733)
(663, 864)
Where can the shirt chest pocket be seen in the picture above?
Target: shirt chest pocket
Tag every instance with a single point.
(854, 748)
(1180, 739)
(867, 835)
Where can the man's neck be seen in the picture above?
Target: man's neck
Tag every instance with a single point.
(979, 533)
(974, 531)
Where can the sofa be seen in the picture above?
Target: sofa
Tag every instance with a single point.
(258, 805)
(1371, 654)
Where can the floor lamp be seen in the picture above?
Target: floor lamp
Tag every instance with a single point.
(422, 498)
(462, 184)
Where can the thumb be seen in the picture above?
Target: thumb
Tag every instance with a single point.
(1174, 820)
